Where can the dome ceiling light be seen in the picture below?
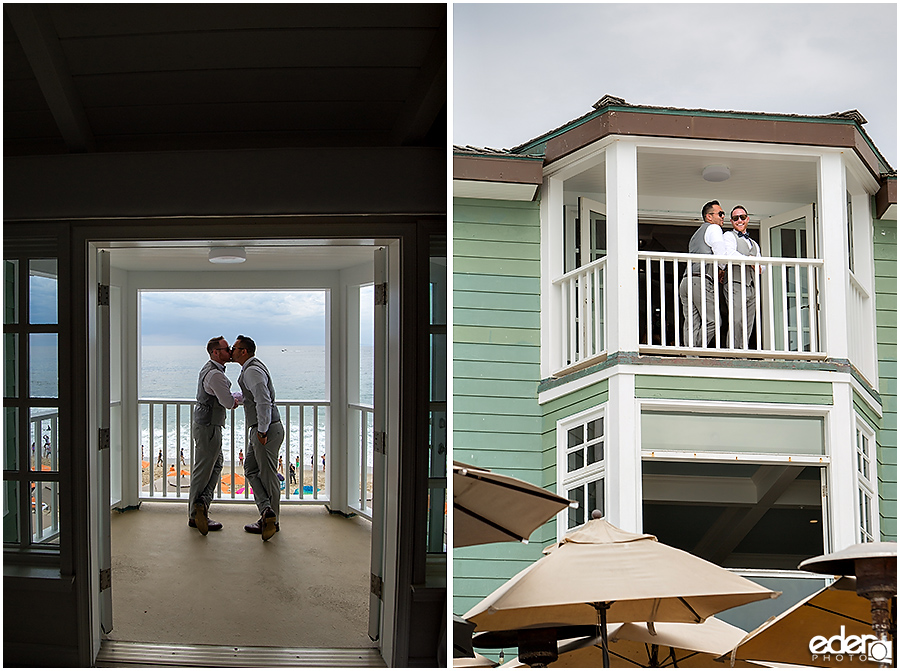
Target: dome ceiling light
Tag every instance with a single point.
(227, 255)
(716, 172)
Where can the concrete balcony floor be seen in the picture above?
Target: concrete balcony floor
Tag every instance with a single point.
(306, 589)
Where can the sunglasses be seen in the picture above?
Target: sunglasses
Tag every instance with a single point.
(740, 217)
(719, 214)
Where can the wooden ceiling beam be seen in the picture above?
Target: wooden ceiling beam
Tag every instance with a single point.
(428, 95)
(41, 46)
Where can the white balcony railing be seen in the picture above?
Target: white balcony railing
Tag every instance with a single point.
(785, 315)
(786, 320)
(361, 423)
(166, 451)
(860, 337)
(582, 293)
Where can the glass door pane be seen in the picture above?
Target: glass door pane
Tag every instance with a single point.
(790, 236)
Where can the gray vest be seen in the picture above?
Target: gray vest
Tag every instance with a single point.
(250, 403)
(698, 245)
(208, 409)
(745, 247)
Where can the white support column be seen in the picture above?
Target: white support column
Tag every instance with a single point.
(552, 260)
(623, 457)
(841, 446)
(622, 241)
(832, 234)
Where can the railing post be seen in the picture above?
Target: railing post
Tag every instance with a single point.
(622, 258)
(831, 229)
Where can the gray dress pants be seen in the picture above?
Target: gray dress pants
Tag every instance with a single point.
(206, 468)
(736, 313)
(261, 467)
(702, 290)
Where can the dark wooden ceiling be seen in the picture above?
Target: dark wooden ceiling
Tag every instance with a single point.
(166, 77)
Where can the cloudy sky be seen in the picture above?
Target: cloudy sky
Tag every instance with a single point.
(520, 70)
(270, 317)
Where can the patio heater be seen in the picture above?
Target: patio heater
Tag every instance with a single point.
(875, 568)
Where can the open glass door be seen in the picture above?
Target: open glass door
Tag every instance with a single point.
(379, 432)
(592, 231)
(790, 235)
(103, 453)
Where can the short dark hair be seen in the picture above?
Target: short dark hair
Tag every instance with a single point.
(707, 208)
(247, 343)
(213, 344)
(739, 207)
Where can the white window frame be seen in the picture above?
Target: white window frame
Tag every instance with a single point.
(832, 469)
(866, 484)
(588, 473)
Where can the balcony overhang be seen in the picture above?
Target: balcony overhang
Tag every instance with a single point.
(496, 176)
(838, 131)
(886, 199)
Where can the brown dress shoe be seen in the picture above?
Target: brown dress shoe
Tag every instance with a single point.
(211, 525)
(257, 527)
(269, 525)
(201, 521)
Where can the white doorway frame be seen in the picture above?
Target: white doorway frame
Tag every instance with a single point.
(100, 509)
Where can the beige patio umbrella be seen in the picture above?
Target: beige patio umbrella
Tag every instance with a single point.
(493, 508)
(601, 573)
(785, 638)
(631, 645)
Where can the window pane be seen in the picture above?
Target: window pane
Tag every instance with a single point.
(10, 438)
(44, 454)
(595, 497)
(576, 460)
(10, 292)
(45, 513)
(595, 429)
(10, 357)
(10, 512)
(576, 515)
(44, 365)
(576, 436)
(595, 453)
(43, 292)
(669, 431)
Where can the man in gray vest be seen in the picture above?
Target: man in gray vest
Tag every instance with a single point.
(214, 397)
(743, 289)
(699, 329)
(266, 436)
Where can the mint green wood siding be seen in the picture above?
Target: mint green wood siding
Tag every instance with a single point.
(732, 389)
(496, 369)
(886, 335)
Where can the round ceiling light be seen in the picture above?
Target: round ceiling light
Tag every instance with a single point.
(227, 255)
(716, 173)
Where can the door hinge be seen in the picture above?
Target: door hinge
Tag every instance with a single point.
(379, 440)
(103, 295)
(375, 585)
(381, 294)
(105, 579)
(104, 439)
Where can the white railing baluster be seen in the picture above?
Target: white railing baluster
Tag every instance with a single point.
(662, 302)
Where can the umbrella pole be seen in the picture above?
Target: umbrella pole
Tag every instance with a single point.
(601, 608)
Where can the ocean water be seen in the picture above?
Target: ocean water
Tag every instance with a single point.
(298, 374)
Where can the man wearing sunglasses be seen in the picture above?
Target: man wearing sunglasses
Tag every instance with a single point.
(214, 397)
(700, 280)
(266, 436)
(743, 289)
